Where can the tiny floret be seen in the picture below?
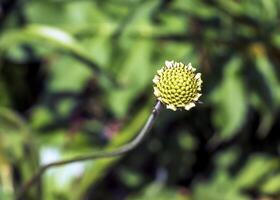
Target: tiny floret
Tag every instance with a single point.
(177, 85)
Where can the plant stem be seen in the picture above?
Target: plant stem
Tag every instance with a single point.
(98, 155)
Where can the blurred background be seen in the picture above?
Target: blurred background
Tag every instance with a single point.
(76, 77)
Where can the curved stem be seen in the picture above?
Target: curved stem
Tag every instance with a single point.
(98, 155)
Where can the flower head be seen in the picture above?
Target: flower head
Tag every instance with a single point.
(177, 85)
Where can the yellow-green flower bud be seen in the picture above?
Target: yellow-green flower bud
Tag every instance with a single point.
(177, 85)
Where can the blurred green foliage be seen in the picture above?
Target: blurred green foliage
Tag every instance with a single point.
(75, 77)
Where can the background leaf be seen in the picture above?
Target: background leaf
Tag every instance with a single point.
(230, 100)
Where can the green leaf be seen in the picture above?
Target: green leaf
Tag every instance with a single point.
(272, 185)
(49, 36)
(190, 7)
(40, 116)
(131, 178)
(220, 188)
(17, 150)
(256, 168)
(100, 48)
(265, 68)
(230, 101)
(67, 74)
(39, 33)
(160, 192)
(135, 75)
(231, 7)
(139, 22)
(226, 158)
(270, 8)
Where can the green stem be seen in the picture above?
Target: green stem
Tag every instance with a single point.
(98, 155)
